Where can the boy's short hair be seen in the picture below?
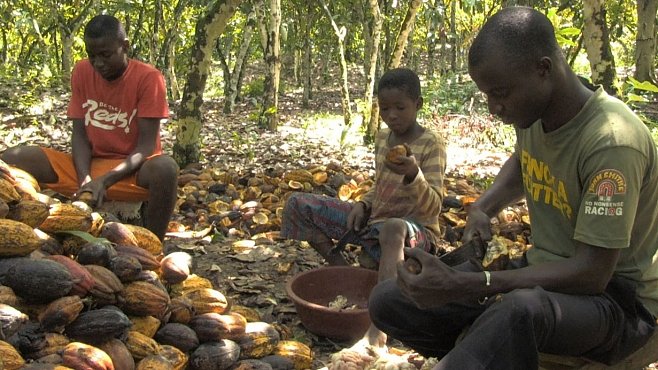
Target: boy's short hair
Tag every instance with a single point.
(403, 79)
(105, 26)
(523, 33)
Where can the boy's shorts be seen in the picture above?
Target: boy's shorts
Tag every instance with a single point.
(307, 215)
(124, 190)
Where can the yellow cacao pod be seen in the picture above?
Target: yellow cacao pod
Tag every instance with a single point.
(8, 192)
(146, 239)
(140, 345)
(17, 239)
(11, 358)
(299, 353)
(147, 325)
(29, 212)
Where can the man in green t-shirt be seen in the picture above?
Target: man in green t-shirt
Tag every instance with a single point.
(588, 169)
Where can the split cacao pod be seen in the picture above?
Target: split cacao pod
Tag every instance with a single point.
(140, 345)
(99, 325)
(219, 355)
(83, 356)
(396, 153)
(121, 357)
(17, 239)
(60, 313)
(211, 327)
(39, 281)
(178, 335)
(144, 299)
(82, 279)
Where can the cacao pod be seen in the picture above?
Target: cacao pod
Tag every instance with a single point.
(279, 362)
(99, 325)
(65, 217)
(17, 239)
(126, 268)
(96, 253)
(147, 325)
(48, 344)
(192, 283)
(175, 267)
(82, 279)
(211, 327)
(208, 300)
(178, 335)
(299, 353)
(7, 296)
(251, 364)
(39, 281)
(140, 345)
(121, 357)
(11, 320)
(10, 357)
(219, 355)
(146, 239)
(144, 299)
(8, 191)
(60, 313)
(145, 258)
(83, 356)
(29, 212)
(249, 313)
(118, 233)
(259, 340)
(175, 356)
(107, 286)
(181, 310)
(155, 362)
(4, 209)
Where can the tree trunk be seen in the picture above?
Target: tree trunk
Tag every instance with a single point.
(166, 59)
(232, 90)
(307, 62)
(597, 44)
(157, 19)
(453, 36)
(269, 116)
(371, 75)
(68, 30)
(186, 150)
(403, 36)
(344, 87)
(645, 41)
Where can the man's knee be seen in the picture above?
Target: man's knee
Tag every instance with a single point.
(380, 298)
(162, 168)
(527, 303)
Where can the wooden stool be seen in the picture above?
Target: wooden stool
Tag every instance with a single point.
(636, 361)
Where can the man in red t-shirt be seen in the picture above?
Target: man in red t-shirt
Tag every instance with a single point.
(117, 105)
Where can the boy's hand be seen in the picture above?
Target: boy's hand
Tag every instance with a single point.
(357, 217)
(406, 166)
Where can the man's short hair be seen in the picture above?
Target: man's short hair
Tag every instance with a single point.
(524, 34)
(403, 79)
(105, 26)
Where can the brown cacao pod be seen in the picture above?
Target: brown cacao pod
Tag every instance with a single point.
(20, 174)
(96, 253)
(175, 356)
(11, 320)
(10, 357)
(259, 340)
(299, 353)
(219, 355)
(7, 296)
(99, 325)
(42, 366)
(39, 281)
(17, 239)
(53, 359)
(4, 209)
(181, 310)
(192, 283)
(211, 327)
(145, 258)
(118, 233)
(144, 299)
(178, 335)
(83, 356)
(60, 313)
(155, 362)
(121, 357)
(82, 279)
(279, 362)
(147, 325)
(48, 344)
(107, 286)
(8, 192)
(208, 300)
(146, 239)
(140, 345)
(126, 268)
(175, 267)
(29, 212)
(251, 364)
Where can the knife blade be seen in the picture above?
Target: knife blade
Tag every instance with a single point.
(473, 249)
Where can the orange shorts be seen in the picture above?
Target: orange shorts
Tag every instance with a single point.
(67, 184)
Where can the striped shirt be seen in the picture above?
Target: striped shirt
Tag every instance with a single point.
(420, 200)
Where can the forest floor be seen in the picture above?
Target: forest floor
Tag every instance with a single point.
(232, 142)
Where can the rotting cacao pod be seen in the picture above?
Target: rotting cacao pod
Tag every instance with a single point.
(219, 355)
(99, 325)
(39, 281)
(178, 335)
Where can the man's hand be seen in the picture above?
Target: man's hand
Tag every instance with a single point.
(357, 217)
(97, 189)
(477, 224)
(435, 285)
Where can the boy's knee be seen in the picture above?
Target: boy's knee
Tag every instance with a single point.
(393, 227)
(10, 156)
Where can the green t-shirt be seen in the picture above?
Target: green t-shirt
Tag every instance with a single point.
(595, 180)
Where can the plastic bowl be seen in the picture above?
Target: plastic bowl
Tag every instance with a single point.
(312, 291)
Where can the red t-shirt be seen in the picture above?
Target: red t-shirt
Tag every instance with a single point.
(110, 109)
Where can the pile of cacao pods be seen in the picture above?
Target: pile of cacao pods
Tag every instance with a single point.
(80, 292)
